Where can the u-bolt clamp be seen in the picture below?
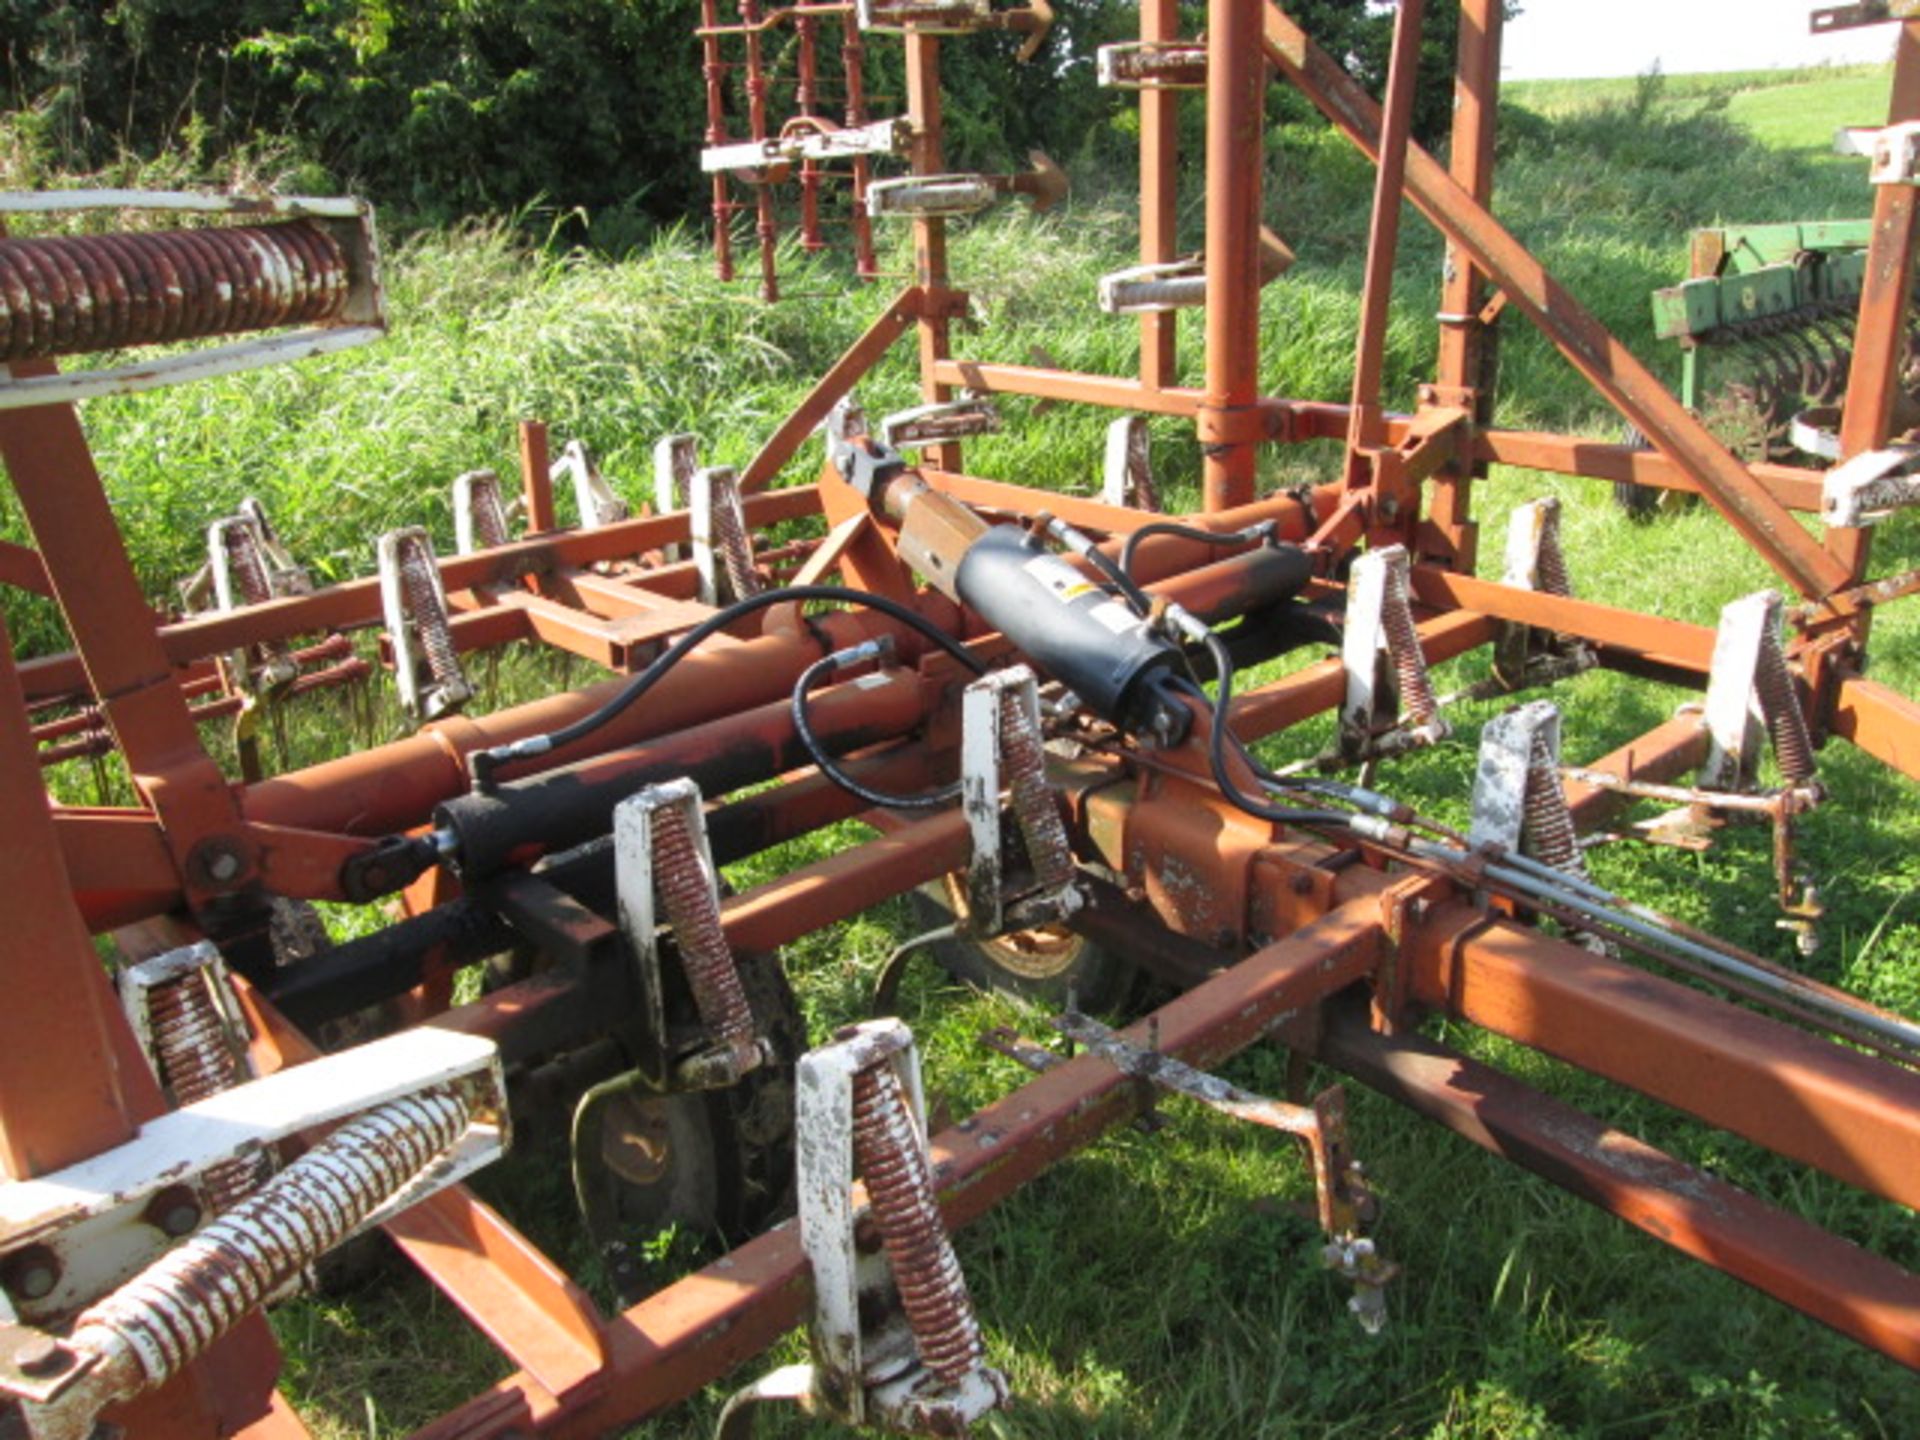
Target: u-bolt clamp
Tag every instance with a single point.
(895, 1340)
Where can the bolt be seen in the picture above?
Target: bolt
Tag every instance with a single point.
(41, 1355)
(31, 1274)
(223, 865)
(174, 1211)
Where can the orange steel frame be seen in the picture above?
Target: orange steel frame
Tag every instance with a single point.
(1298, 929)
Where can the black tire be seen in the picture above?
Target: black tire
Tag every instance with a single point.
(716, 1163)
(1051, 965)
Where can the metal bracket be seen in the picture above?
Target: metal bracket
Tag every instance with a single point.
(592, 495)
(1153, 65)
(1525, 656)
(675, 460)
(929, 197)
(1345, 1205)
(661, 850)
(1865, 12)
(1871, 486)
(1896, 155)
(926, 17)
(413, 603)
(481, 514)
(1379, 623)
(363, 318)
(993, 755)
(102, 1220)
(812, 141)
(722, 545)
(1169, 285)
(938, 424)
(1127, 476)
(869, 1365)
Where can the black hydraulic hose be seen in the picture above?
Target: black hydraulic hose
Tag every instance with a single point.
(1189, 532)
(1217, 753)
(928, 800)
(1141, 602)
(485, 762)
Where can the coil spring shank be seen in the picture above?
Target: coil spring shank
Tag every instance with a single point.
(489, 516)
(1024, 762)
(247, 564)
(70, 294)
(933, 1292)
(1417, 699)
(169, 1313)
(730, 535)
(693, 914)
(429, 615)
(1548, 823)
(196, 1060)
(1786, 724)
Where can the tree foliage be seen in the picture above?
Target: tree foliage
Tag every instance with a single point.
(449, 108)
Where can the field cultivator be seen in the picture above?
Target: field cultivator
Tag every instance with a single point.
(1009, 687)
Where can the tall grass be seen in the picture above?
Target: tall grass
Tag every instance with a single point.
(1164, 1286)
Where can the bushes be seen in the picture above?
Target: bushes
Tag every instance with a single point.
(441, 110)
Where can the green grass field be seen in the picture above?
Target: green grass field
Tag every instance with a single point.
(1164, 1286)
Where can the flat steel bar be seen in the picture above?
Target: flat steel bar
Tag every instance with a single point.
(1880, 342)
(1864, 1297)
(1229, 422)
(1364, 430)
(1881, 721)
(1117, 392)
(1836, 1109)
(829, 389)
(1651, 639)
(1466, 344)
(1159, 196)
(67, 1090)
(695, 1331)
(1612, 369)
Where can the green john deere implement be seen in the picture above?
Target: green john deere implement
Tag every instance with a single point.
(1765, 326)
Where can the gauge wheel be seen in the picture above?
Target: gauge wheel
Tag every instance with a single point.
(716, 1163)
(1045, 964)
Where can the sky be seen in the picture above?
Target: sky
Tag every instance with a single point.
(1566, 39)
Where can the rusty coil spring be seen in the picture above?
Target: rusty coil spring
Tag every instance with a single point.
(196, 1060)
(417, 581)
(1025, 765)
(933, 1292)
(730, 533)
(1417, 699)
(693, 913)
(1547, 823)
(247, 565)
(489, 514)
(1786, 723)
(1146, 495)
(69, 294)
(1554, 579)
(176, 1307)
